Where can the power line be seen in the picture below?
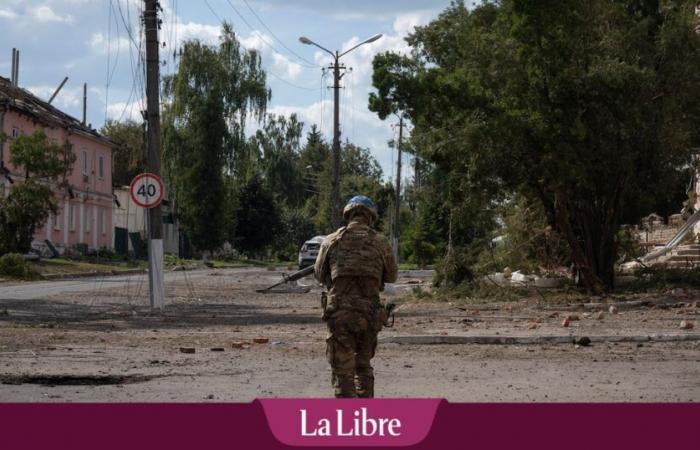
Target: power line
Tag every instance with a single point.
(278, 39)
(279, 77)
(262, 38)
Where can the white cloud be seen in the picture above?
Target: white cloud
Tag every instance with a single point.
(290, 69)
(101, 44)
(124, 110)
(192, 30)
(44, 13)
(66, 98)
(7, 14)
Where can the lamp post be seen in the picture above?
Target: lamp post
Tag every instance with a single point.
(335, 181)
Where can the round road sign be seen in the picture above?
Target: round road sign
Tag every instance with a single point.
(147, 190)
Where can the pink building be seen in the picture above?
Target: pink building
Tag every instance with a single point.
(85, 215)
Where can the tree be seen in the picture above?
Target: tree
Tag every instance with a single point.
(208, 101)
(29, 203)
(277, 145)
(257, 219)
(582, 106)
(130, 153)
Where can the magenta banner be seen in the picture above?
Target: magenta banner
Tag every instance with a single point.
(278, 424)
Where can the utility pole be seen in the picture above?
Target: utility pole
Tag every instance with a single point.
(397, 205)
(335, 184)
(155, 217)
(335, 175)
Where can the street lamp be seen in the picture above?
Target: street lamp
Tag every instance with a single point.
(335, 182)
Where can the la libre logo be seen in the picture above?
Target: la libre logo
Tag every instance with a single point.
(355, 424)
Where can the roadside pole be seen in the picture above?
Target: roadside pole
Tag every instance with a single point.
(397, 205)
(155, 218)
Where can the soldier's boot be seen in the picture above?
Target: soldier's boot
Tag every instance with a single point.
(364, 379)
(344, 386)
(365, 386)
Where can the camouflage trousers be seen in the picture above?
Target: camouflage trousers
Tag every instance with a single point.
(350, 346)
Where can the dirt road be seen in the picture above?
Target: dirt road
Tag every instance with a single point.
(103, 344)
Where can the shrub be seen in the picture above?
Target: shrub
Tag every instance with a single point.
(13, 265)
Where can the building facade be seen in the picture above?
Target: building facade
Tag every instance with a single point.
(84, 219)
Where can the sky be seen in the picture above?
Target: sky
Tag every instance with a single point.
(96, 42)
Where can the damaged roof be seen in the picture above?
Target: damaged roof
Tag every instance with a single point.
(22, 100)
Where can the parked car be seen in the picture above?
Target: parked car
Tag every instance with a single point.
(309, 251)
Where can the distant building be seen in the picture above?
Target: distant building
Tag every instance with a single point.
(129, 218)
(85, 210)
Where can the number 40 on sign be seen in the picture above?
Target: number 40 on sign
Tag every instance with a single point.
(147, 190)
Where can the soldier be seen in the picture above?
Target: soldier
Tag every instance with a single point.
(354, 263)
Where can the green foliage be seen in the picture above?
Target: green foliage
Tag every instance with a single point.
(209, 99)
(582, 106)
(29, 203)
(257, 219)
(130, 152)
(295, 229)
(528, 243)
(14, 265)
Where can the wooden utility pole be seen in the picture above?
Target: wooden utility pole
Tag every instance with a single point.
(397, 205)
(155, 217)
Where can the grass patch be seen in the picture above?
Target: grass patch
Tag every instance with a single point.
(60, 266)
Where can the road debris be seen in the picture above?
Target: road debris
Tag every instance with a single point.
(612, 309)
(600, 315)
(533, 326)
(187, 350)
(686, 325)
(261, 340)
(565, 323)
(583, 341)
(217, 349)
(237, 344)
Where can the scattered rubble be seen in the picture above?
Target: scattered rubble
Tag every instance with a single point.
(533, 326)
(187, 350)
(261, 340)
(612, 309)
(600, 315)
(565, 322)
(217, 349)
(686, 325)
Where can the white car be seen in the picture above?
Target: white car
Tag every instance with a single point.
(309, 251)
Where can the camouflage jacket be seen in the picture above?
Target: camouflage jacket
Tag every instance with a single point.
(355, 261)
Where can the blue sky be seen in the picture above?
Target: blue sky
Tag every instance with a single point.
(81, 39)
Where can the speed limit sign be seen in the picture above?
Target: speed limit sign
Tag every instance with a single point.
(147, 190)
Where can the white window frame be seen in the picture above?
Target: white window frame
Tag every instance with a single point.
(16, 132)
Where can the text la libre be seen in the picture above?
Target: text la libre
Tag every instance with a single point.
(360, 425)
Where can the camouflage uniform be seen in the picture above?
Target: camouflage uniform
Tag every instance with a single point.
(354, 263)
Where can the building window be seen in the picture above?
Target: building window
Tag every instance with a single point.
(55, 221)
(101, 167)
(15, 133)
(85, 162)
(71, 217)
(87, 218)
(103, 225)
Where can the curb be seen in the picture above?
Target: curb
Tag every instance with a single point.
(65, 276)
(531, 340)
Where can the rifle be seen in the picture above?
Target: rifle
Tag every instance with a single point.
(288, 278)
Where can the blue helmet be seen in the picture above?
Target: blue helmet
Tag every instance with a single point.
(360, 201)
